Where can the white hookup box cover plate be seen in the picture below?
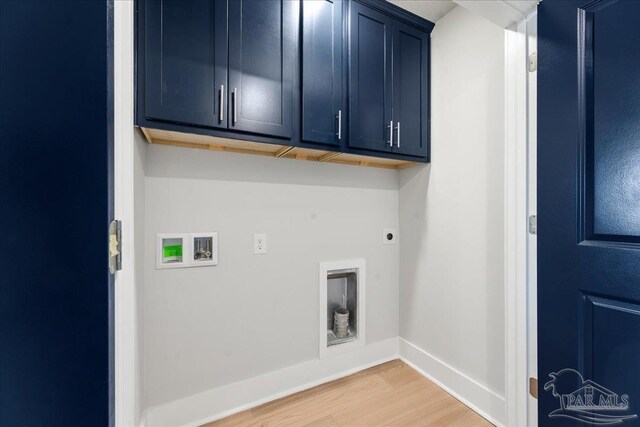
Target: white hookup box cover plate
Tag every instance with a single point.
(204, 249)
(184, 250)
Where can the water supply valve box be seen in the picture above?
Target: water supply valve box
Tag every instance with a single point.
(182, 250)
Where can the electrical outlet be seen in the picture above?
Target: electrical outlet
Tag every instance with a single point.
(389, 236)
(259, 244)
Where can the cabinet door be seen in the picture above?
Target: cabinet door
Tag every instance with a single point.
(186, 61)
(323, 114)
(410, 90)
(370, 79)
(261, 66)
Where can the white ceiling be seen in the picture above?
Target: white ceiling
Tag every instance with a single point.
(429, 9)
(501, 12)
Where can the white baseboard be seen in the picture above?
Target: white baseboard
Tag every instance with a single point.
(227, 400)
(476, 396)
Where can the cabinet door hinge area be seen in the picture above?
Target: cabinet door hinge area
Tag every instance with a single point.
(115, 246)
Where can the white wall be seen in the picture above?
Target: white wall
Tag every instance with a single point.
(252, 314)
(452, 211)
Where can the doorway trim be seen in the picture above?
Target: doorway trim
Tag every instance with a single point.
(519, 275)
(520, 245)
(127, 399)
(532, 209)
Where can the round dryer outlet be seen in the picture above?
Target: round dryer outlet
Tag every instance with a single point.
(389, 236)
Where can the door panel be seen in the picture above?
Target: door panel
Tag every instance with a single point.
(322, 76)
(370, 78)
(410, 90)
(56, 202)
(261, 60)
(615, 124)
(186, 61)
(608, 348)
(588, 202)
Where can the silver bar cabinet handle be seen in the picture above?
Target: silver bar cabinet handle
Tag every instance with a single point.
(234, 100)
(339, 124)
(390, 127)
(398, 136)
(221, 103)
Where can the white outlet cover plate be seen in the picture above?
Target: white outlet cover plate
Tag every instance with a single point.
(385, 236)
(259, 243)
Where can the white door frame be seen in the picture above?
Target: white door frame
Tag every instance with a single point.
(520, 246)
(520, 202)
(532, 209)
(125, 334)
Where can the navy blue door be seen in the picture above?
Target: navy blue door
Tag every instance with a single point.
(55, 207)
(261, 65)
(185, 45)
(589, 212)
(370, 78)
(410, 90)
(323, 108)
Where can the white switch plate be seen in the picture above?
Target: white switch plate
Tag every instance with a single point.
(259, 244)
(389, 236)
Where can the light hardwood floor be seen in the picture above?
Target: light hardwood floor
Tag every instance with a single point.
(391, 394)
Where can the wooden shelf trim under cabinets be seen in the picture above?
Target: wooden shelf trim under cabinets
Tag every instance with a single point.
(204, 142)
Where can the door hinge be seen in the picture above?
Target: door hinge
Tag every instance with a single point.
(115, 246)
(533, 387)
(533, 224)
(533, 62)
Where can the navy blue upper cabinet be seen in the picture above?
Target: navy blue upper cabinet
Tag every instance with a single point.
(388, 82)
(261, 66)
(410, 90)
(347, 76)
(323, 83)
(185, 62)
(370, 79)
